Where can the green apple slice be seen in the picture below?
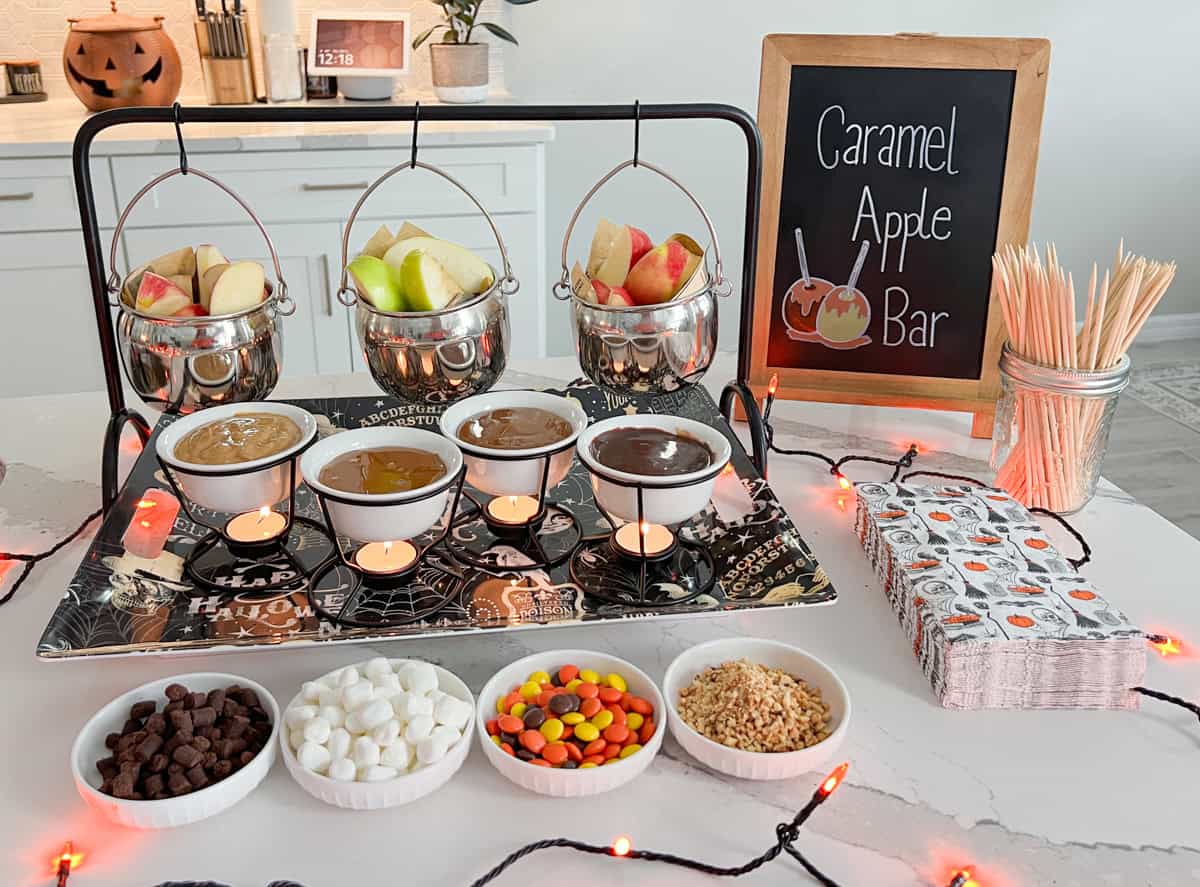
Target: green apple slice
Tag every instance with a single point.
(426, 283)
(378, 282)
(472, 273)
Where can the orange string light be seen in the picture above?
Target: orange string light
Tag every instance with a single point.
(1167, 646)
(834, 779)
(621, 846)
(773, 385)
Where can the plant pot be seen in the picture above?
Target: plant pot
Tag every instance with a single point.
(460, 71)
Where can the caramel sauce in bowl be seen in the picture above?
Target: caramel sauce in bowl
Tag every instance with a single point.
(500, 458)
(236, 484)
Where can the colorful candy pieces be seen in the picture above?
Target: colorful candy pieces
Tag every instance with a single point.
(571, 718)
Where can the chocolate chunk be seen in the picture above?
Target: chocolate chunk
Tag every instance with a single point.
(224, 749)
(132, 768)
(156, 723)
(122, 786)
(158, 763)
(107, 767)
(237, 727)
(248, 698)
(172, 706)
(187, 756)
(221, 769)
(131, 726)
(231, 709)
(176, 692)
(259, 714)
(216, 699)
(173, 743)
(201, 743)
(137, 796)
(126, 754)
(154, 784)
(142, 709)
(245, 758)
(110, 741)
(182, 721)
(106, 787)
(178, 784)
(203, 716)
(197, 777)
(148, 747)
(161, 796)
(173, 768)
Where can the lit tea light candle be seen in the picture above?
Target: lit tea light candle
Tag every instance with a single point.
(654, 539)
(153, 518)
(256, 526)
(386, 557)
(514, 510)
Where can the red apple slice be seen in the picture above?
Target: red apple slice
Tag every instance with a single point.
(239, 288)
(642, 244)
(158, 296)
(663, 271)
(618, 297)
(192, 311)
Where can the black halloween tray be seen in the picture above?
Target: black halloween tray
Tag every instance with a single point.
(112, 609)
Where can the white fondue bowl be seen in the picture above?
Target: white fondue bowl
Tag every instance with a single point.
(242, 486)
(515, 472)
(384, 517)
(665, 500)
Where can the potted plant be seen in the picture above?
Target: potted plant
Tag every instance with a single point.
(460, 66)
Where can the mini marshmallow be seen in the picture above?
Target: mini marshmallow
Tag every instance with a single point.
(418, 728)
(432, 749)
(386, 733)
(347, 677)
(353, 724)
(335, 714)
(343, 770)
(435, 696)
(376, 667)
(374, 713)
(450, 734)
(419, 677)
(387, 684)
(356, 696)
(410, 706)
(377, 773)
(295, 716)
(330, 696)
(317, 730)
(310, 691)
(452, 712)
(364, 753)
(339, 742)
(398, 755)
(313, 757)
(296, 738)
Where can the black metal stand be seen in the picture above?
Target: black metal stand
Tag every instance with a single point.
(94, 125)
(112, 444)
(755, 421)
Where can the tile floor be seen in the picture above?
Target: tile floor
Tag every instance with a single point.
(1154, 452)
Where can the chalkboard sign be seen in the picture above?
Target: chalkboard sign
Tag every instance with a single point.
(894, 166)
(372, 44)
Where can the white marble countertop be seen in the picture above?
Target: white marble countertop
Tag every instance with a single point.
(1065, 797)
(47, 129)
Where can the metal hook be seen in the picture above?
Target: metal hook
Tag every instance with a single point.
(183, 161)
(637, 129)
(416, 123)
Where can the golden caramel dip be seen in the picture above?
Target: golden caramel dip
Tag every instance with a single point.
(243, 437)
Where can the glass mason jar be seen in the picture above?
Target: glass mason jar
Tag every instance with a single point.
(1052, 429)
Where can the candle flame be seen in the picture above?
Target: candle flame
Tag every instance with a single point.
(621, 846)
(645, 529)
(512, 501)
(263, 512)
(146, 503)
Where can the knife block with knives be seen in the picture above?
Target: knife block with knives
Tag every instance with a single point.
(223, 39)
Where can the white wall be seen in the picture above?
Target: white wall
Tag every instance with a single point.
(1120, 140)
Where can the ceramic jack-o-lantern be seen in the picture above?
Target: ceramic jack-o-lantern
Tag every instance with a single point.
(117, 60)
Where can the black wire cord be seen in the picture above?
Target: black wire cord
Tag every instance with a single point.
(32, 560)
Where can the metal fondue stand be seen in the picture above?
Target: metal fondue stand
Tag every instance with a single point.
(120, 414)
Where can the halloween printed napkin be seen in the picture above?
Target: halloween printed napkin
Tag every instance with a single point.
(997, 617)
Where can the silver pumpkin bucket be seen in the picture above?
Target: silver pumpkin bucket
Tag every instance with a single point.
(184, 364)
(647, 349)
(434, 357)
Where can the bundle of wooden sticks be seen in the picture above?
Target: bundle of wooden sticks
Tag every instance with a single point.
(1060, 436)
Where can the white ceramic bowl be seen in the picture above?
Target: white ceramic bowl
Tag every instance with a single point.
(413, 511)
(568, 783)
(89, 747)
(663, 502)
(394, 792)
(521, 473)
(757, 765)
(214, 486)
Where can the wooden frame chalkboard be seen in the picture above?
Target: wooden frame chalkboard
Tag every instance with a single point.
(927, 148)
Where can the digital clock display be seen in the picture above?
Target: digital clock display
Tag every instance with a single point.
(367, 43)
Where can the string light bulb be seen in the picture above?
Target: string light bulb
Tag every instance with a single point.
(843, 481)
(1165, 645)
(773, 385)
(833, 780)
(963, 877)
(621, 846)
(65, 863)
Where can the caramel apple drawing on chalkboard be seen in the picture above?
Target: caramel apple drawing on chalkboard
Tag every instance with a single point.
(814, 310)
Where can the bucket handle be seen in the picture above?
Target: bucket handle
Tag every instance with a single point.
(720, 285)
(282, 303)
(346, 294)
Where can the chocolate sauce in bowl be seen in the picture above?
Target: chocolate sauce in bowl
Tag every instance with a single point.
(650, 452)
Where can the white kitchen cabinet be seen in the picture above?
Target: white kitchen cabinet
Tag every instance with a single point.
(317, 338)
(48, 339)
